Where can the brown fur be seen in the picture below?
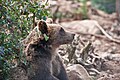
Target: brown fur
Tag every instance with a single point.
(44, 62)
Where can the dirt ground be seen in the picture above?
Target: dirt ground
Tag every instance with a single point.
(97, 43)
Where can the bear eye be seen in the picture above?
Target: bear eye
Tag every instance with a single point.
(62, 32)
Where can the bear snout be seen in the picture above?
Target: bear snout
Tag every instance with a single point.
(73, 35)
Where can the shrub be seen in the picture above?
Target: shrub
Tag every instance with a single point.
(105, 5)
(15, 24)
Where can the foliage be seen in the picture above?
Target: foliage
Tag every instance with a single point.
(83, 9)
(15, 24)
(106, 5)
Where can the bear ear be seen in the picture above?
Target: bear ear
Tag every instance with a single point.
(42, 26)
(49, 20)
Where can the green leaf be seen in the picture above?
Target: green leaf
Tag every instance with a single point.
(46, 37)
(32, 10)
(44, 17)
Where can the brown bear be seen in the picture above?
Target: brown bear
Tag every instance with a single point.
(41, 45)
(45, 63)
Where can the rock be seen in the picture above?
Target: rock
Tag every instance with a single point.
(112, 66)
(78, 72)
(85, 26)
(73, 75)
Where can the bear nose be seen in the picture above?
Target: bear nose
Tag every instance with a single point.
(73, 35)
